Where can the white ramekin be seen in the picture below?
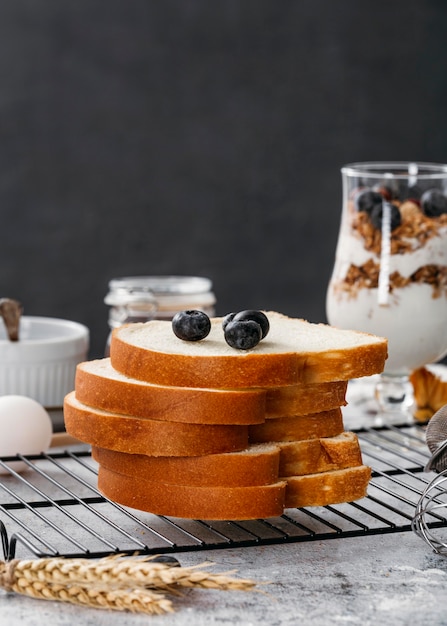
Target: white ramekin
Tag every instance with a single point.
(42, 364)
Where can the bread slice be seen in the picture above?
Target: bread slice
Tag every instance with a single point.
(257, 465)
(294, 352)
(190, 501)
(297, 428)
(344, 485)
(319, 455)
(146, 436)
(99, 385)
(305, 399)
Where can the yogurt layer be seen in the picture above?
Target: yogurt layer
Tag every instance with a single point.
(414, 323)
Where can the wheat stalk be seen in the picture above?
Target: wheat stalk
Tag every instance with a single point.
(134, 600)
(120, 572)
(132, 583)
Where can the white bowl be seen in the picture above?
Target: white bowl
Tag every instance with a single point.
(42, 364)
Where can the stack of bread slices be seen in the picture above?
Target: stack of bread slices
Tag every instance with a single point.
(202, 430)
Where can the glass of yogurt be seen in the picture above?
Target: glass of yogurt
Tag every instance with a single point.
(390, 271)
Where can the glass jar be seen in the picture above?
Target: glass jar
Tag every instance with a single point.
(390, 271)
(142, 298)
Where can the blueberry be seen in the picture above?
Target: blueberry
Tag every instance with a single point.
(256, 316)
(227, 319)
(243, 335)
(377, 214)
(434, 203)
(191, 325)
(367, 200)
(413, 192)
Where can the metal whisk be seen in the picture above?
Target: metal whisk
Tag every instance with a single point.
(433, 501)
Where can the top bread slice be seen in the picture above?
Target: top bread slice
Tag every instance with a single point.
(294, 351)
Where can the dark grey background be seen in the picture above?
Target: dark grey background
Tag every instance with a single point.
(201, 137)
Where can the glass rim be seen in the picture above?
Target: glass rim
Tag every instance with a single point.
(400, 170)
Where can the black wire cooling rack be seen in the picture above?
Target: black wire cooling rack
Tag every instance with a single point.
(50, 506)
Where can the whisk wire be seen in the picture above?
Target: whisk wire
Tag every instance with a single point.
(431, 504)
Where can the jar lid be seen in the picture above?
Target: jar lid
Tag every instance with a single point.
(148, 287)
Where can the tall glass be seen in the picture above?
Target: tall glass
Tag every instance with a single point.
(390, 271)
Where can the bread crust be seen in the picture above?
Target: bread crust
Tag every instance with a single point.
(345, 485)
(313, 456)
(297, 428)
(257, 465)
(98, 386)
(277, 363)
(145, 436)
(190, 501)
(305, 399)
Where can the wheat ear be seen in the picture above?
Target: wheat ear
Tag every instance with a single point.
(133, 583)
(120, 572)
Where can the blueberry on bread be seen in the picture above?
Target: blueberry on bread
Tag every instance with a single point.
(243, 334)
(191, 325)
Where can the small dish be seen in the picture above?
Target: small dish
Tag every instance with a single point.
(42, 363)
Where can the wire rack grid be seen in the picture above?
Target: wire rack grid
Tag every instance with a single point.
(50, 506)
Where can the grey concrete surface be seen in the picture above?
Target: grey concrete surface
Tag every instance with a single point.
(390, 579)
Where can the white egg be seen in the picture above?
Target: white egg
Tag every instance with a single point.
(25, 428)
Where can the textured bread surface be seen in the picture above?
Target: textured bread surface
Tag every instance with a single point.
(344, 485)
(305, 399)
(294, 352)
(190, 501)
(257, 465)
(296, 428)
(145, 436)
(319, 455)
(99, 385)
